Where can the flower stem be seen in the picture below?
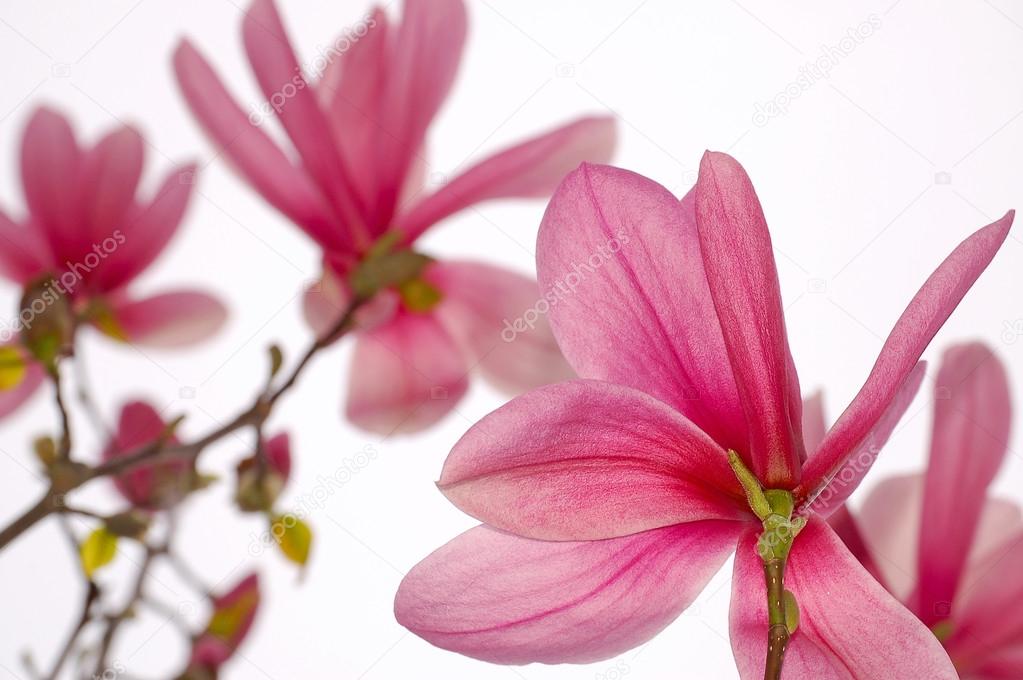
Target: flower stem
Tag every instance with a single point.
(777, 630)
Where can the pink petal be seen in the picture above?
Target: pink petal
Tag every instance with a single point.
(239, 607)
(351, 95)
(968, 445)
(169, 319)
(406, 375)
(110, 175)
(925, 314)
(510, 600)
(148, 486)
(739, 261)
(50, 169)
(847, 528)
(531, 169)
(584, 460)
(480, 308)
(252, 152)
(889, 521)
(24, 252)
(620, 272)
(147, 230)
(856, 466)
(278, 454)
(423, 62)
(11, 400)
(293, 99)
(849, 628)
(814, 423)
(986, 616)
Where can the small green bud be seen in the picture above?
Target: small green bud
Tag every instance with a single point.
(791, 611)
(751, 485)
(47, 322)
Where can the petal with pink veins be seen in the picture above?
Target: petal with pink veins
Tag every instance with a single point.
(480, 306)
(24, 252)
(739, 261)
(172, 319)
(252, 152)
(619, 266)
(280, 76)
(849, 626)
(531, 169)
(147, 230)
(50, 172)
(406, 375)
(351, 95)
(424, 57)
(110, 176)
(847, 478)
(968, 444)
(924, 316)
(505, 599)
(585, 460)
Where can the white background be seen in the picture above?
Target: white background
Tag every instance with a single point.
(849, 178)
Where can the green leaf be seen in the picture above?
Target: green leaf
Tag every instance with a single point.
(293, 536)
(12, 367)
(276, 360)
(98, 549)
(418, 295)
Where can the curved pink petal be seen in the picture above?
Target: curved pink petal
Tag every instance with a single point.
(531, 169)
(620, 272)
(146, 230)
(511, 600)
(423, 61)
(278, 455)
(848, 477)
(110, 176)
(814, 422)
(889, 521)
(234, 613)
(849, 629)
(986, 616)
(847, 528)
(292, 98)
(351, 95)
(926, 313)
(739, 261)
(170, 319)
(11, 400)
(482, 307)
(406, 375)
(585, 460)
(252, 152)
(24, 252)
(147, 486)
(968, 444)
(50, 170)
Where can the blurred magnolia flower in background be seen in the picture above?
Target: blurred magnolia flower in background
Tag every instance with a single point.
(230, 621)
(356, 187)
(937, 540)
(608, 502)
(85, 238)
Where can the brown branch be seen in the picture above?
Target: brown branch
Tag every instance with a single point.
(159, 451)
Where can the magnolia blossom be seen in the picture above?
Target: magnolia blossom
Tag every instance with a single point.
(937, 540)
(353, 181)
(149, 486)
(608, 502)
(86, 237)
(229, 624)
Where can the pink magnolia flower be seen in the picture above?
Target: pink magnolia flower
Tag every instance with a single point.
(229, 624)
(608, 502)
(257, 489)
(87, 230)
(153, 486)
(937, 541)
(355, 180)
